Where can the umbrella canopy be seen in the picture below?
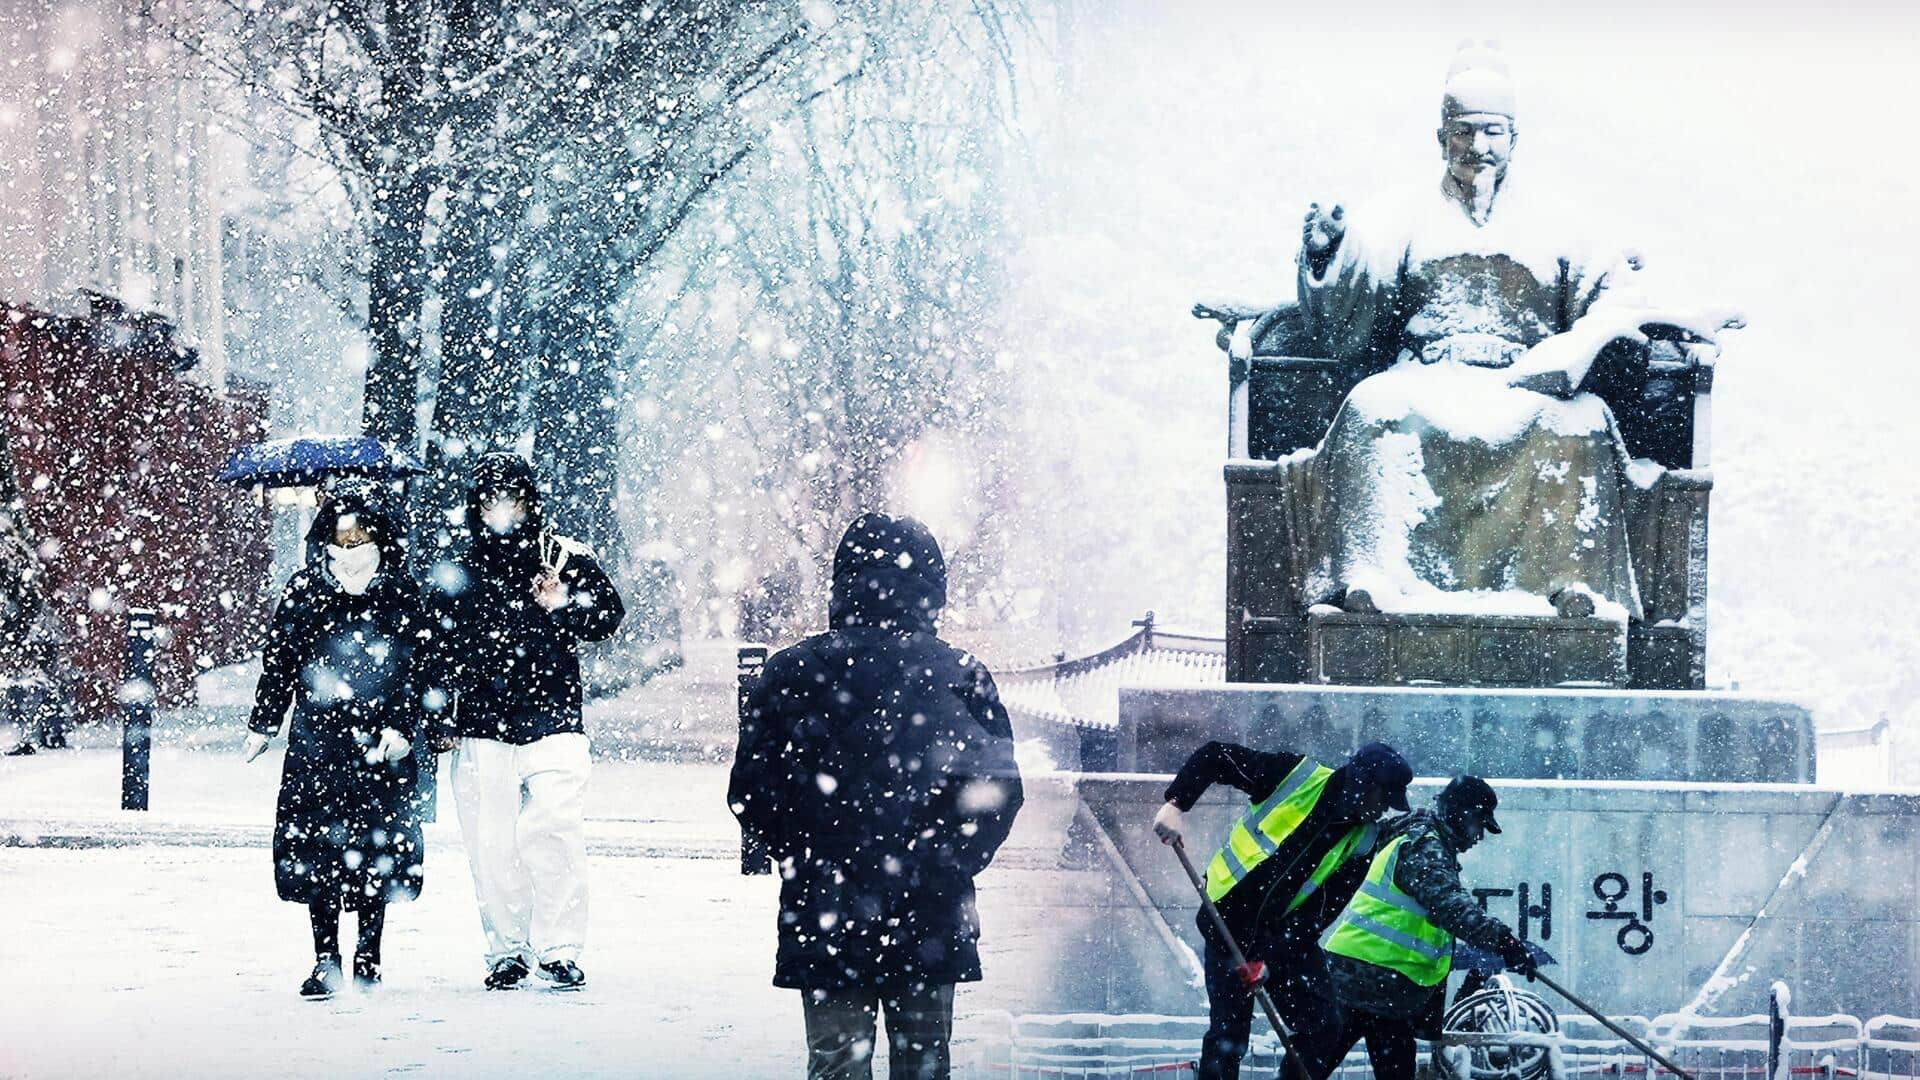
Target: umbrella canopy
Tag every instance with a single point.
(309, 459)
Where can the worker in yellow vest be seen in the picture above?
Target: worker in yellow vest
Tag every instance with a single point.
(1390, 950)
(1288, 865)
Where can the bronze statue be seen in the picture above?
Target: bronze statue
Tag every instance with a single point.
(1475, 466)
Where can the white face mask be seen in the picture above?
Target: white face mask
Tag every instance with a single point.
(354, 567)
(501, 516)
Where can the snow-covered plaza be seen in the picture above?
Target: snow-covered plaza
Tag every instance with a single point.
(152, 944)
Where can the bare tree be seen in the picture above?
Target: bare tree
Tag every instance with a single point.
(851, 312)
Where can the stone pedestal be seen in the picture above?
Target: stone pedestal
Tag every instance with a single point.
(1352, 649)
(1531, 734)
(1642, 891)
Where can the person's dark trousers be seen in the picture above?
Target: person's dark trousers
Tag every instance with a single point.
(1231, 1012)
(840, 1030)
(325, 917)
(1229, 1016)
(1390, 1047)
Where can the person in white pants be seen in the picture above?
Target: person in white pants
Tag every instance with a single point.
(522, 816)
(513, 611)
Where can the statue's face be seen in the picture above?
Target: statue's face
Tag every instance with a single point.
(1477, 144)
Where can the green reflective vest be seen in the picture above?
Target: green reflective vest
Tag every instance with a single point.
(1266, 825)
(1385, 927)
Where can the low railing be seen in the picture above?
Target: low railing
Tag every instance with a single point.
(1778, 1046)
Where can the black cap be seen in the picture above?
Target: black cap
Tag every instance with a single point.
(1466, 795)
(1381, 766)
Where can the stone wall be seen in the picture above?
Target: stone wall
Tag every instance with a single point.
(1642, 890)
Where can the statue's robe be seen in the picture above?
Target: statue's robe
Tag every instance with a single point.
(1440, 486)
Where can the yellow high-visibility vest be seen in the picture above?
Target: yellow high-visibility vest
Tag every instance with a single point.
(1267, 824)
(1385, 927)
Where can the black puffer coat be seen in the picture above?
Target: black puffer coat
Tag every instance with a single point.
(348, 666)
(876, 764)
(512, 665)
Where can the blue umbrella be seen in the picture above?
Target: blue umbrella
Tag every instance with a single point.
(309, 459)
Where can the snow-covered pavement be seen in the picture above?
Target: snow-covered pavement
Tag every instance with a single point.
(153, 945)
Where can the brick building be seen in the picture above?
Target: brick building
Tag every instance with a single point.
(114, 449)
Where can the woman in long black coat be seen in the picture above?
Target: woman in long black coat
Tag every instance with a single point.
(343, 651)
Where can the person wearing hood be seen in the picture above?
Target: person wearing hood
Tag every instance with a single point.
(1288, 864)
(876, 765)
(1390, 950)
(513, 612)
(343, 650)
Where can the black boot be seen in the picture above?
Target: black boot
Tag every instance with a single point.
(366, 973)
(22, 750)
(507, 973)
(564, 975)
(325, 980)
(366, 947)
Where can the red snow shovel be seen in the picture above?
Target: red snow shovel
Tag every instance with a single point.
(1240, 961)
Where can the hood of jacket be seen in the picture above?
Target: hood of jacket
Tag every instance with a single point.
(498, 474)
(376, 508)
(887, 572)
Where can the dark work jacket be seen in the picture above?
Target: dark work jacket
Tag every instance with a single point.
(876, 764)
(1256, 909)
(511, 667)
(1428, 871)
(348, 666)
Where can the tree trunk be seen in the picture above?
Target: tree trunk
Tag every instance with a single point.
(576, 409)
(396, 295)
(476, 408)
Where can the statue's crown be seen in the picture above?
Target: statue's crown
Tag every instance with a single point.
(1478, 82)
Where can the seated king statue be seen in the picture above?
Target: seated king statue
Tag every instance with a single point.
(1476, 472)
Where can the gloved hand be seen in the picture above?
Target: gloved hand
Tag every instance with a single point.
(1517, 956)
(255, 745)
(392, 746)
(1170, 823)
(1252, 973)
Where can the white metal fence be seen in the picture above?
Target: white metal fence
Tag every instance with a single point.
(1098, 1046)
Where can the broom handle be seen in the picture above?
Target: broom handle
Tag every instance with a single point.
(1239, 960)
(1613, 1027)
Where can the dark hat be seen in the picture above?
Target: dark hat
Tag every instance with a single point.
(1381, 766)
(502, 473)
(1470, 795)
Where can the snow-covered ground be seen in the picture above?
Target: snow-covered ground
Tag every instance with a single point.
(153, 945)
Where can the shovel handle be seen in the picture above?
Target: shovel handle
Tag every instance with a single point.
(1299, 1065)
(1613, 1027)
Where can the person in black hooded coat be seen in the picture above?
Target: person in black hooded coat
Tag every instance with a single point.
(343, 651)
(876, 764)
(510, 615)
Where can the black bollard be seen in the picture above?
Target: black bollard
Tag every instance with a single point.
(136, 697)
(754, 856)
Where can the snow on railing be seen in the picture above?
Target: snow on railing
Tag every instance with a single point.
(1779, 1046)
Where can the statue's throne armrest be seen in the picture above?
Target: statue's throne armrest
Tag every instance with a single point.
(1282, 390)
(1281, 399)
(1664, 412)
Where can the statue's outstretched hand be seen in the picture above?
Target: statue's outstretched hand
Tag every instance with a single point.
(1321, 233)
